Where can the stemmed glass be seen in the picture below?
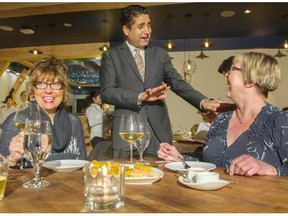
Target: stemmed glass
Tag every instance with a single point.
(143, 142)
(130, 131)
(37, 145)
(25, 111)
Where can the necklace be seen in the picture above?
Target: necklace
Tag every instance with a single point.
(245, 118)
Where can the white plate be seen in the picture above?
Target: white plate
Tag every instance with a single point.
(213, 185)
(145, 180)
(65, 165)
(178, 166)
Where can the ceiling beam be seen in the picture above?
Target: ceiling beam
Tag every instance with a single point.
(71, 51)
(8, 10)
(3, 67)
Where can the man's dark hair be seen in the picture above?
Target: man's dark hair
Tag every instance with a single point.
(226, 65)
(130, 12)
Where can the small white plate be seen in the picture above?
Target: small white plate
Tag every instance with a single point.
(145, 180)
(213, 185)
(65, 165)
(178, 166)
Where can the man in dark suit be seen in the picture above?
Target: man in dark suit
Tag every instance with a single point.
(124, 85)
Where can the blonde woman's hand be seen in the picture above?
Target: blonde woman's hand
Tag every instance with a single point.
(246, 165)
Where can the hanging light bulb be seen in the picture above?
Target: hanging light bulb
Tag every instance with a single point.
(206, 43)
(105, 46)
(189, 66)
(285, 45)
(170, 45)
(35, 51)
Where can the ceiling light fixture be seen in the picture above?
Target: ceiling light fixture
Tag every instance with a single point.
(6, 28)
(247, 11)
(285, 43)
(105, 46)
(35, 51)
(27, 30)
(202, 55)
(279, 54)
(228, 13)
(169, 45)
(189, 66)
(206, 43)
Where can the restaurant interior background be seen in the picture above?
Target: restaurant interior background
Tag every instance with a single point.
(186, 24)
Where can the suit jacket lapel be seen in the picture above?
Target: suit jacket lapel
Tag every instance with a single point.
(149, 59)
(130, 59)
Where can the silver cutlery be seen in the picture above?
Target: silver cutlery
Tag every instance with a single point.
(230, 181)
(186, 166)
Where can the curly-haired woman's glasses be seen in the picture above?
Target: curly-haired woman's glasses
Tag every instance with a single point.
(43, 85)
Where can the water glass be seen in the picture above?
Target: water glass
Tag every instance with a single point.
(104, 187)
(3, 178)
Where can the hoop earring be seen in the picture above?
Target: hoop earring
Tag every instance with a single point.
(32, 98)
(65, 99)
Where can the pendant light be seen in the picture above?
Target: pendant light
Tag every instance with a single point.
(206, 43)
(189, 66)
(202, 55)
(36, 51)
(52, 47)
(284, 45)
(105, 46)
(279, 54)
(169, 45)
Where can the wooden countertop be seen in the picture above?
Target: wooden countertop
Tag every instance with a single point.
(257, 194)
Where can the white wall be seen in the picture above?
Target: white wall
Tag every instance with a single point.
(212, 84)
(6, 83)
(206, 79)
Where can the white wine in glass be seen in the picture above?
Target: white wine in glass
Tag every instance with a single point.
(37, 146)
(130, 131)
(26, 111)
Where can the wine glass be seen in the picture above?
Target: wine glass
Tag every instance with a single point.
(25, 111)
(143, 142)
(37, 145)
(130, 131)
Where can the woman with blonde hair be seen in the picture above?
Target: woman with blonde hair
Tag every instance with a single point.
(48, 87)
(252, 140)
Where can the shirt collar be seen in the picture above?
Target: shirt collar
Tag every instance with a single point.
(132, 48)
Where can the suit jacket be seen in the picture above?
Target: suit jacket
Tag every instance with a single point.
(121, 84)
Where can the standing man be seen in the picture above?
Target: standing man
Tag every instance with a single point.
(134, 78)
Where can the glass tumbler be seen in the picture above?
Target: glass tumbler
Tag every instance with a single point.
(104, 186)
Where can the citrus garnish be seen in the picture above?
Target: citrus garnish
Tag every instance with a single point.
(140, 166)
(112, 167)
